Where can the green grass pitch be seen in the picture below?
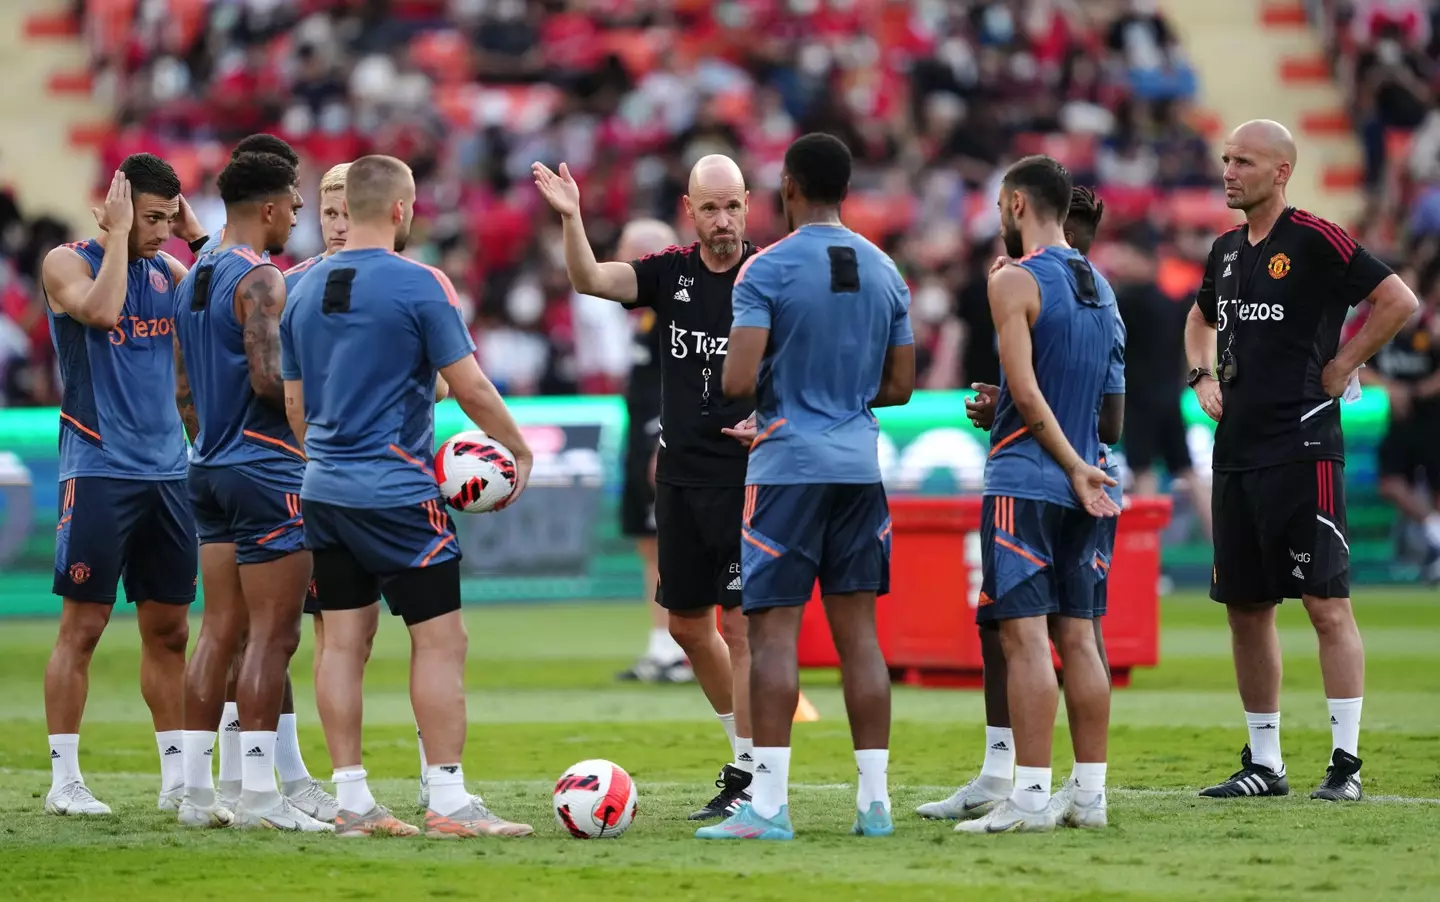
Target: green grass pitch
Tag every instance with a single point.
(542, 696)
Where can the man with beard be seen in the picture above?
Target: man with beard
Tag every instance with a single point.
(700, 472)
(361, 343)
(1056, 323)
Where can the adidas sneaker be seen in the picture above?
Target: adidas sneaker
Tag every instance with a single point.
(1342, 779)
(1250, 780)
(734, 784)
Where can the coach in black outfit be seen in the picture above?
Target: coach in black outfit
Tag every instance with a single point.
(1275, 295)
(700, 472)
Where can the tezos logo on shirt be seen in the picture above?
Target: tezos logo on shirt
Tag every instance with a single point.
(1252, 311)
(681, 341)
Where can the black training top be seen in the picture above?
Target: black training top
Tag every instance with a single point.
(1279, 306)
(692, 317)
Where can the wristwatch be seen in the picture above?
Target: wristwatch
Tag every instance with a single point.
(1197, 374)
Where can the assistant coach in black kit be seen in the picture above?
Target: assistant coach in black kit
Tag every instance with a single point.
(700, 472)
(1263, 343)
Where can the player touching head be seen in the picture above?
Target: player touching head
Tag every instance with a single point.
(125, 514)
(363, 339)
(996, 780)
(814, 505)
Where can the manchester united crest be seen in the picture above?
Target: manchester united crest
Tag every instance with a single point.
(1279, 266)
(79, 573)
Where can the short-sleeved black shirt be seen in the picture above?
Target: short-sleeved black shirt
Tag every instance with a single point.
(1280, 304)
(692, 319)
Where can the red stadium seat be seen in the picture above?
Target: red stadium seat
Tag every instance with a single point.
(444, 55)
(1199, 208)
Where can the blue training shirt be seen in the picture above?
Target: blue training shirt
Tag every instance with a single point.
(117, 409)
(294, 274)
(1114, 385)
(366, 331)
(213, 242)
(1074, 341)
(834, 303)
(236, 426)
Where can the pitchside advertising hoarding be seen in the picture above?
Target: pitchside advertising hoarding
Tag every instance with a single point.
(563, 541)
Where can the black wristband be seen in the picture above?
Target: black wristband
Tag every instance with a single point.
(198, 243)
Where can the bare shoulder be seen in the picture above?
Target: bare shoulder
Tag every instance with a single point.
(64, 262)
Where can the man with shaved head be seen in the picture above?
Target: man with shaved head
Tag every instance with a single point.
(700, 471)
(361, 343)
(1263, 341)
(664, 659)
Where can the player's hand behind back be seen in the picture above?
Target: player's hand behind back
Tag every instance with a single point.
(559, 190)
(981, 408)
(743, 432)
(118, 212)
(1089, 484)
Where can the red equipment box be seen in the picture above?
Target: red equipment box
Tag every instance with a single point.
(927, 622)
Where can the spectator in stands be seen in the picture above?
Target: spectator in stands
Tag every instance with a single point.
(1391, 90)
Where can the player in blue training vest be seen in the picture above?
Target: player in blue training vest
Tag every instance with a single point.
(362, 341)
(123, 507)
(1056, 325)
(995, 782)
(821, 335)
(245, 474)
(257, 143)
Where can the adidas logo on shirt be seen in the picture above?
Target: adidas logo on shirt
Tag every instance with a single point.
(735, 585)
(683, 295)
(255, 753)
(1297, 573)
(1000, 747)
(172, 750)
(233, 726)
(1226, 272)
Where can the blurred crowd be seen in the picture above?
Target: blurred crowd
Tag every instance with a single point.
(933, 96)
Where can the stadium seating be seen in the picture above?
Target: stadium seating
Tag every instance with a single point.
(933, 100)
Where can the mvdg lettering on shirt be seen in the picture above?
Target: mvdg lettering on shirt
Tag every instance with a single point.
(136, 327)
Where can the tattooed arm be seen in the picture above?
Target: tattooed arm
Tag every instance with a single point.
(259, 301)
(184, 400)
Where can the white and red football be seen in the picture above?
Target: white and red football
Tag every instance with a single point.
(475, 472)
(595, 800)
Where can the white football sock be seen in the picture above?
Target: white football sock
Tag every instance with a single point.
(424, 765)
(258, 764)
(1089, 781)
(1432, 529)
(1265, 740)
(1345, 723)
(171, 745)
(745, 754)
(999, 753)
(728, 722)
(771, 787)
(872, 765)
(199, 748)
(663, 647)
(447, 789)
(1032, 789)
(64, 760)
(289, 763)
(230, 754)
(352, 792)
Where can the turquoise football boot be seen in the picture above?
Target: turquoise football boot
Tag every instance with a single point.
(746, 824)
(875, 822)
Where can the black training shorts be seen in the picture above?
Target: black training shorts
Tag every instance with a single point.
(699, 545)
(1280, 533)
